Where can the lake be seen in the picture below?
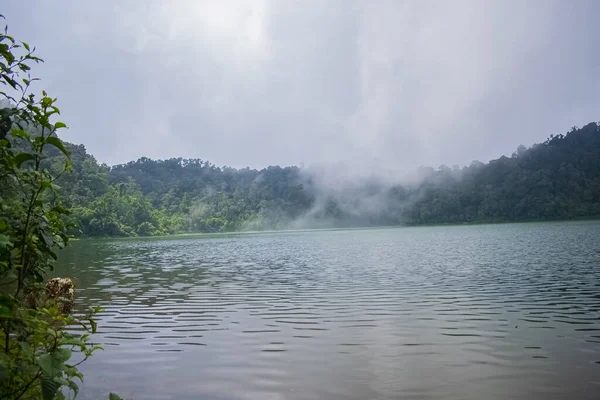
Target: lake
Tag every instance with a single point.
(455, 312)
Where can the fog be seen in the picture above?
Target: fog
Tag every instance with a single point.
(373, 87)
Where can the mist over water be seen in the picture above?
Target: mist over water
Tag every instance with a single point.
(462, 312)
(361, 93)
(346, 195)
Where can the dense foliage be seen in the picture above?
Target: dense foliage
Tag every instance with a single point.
(557, 179)
(35, 319)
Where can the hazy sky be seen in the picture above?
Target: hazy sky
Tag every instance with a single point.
(259, 82)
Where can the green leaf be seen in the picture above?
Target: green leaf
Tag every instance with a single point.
(22, 157)
(113, 396)
(52, 364)
(63, 354)
(46, 364)
(4, 241)
(9, 57)
(25, 45)
(49, 387)
(94, 325)
(59, 125)
(56, 142)
(72, 372)
(19, 133)
(73, 386)
(10, 81)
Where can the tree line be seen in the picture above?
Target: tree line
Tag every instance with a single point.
(556, 179)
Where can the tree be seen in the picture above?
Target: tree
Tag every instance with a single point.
(36, 346)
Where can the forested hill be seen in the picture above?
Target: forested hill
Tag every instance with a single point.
(557, 179)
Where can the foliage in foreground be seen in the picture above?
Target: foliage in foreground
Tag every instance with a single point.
(39, 354)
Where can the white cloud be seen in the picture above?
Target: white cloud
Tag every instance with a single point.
(387, 84)
(235, 30)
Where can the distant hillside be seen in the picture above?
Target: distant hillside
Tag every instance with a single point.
(557, 179)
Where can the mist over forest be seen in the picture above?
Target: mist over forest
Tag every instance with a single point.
(363, 98)
(297, 123)
(556, 179)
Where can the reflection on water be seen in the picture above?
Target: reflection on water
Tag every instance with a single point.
(466, 312)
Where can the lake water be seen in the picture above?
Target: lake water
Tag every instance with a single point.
(461, 312)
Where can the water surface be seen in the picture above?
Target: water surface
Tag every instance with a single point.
(460, 312)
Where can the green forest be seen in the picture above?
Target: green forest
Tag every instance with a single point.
(557, 179)
(52, 191)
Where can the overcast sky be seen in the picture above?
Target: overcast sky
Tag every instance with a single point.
(253, 83)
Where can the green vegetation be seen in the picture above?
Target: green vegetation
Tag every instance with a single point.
(557, 179)
(36, 343)
(51, 190)
(150, 197)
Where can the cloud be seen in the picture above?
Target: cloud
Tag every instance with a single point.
(386, 85)
(234, 31)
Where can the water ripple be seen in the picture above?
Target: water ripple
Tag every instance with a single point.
(497, 311)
